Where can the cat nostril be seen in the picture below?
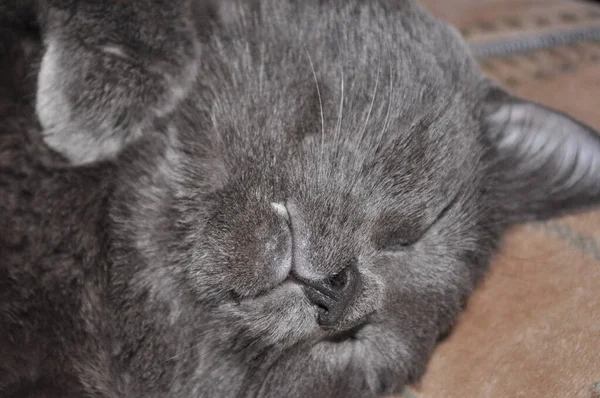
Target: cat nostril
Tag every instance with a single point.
(339, 280)
(333, 295)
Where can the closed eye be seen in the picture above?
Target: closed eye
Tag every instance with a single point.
(399, 241)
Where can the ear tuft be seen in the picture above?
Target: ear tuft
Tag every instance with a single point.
(545, 163)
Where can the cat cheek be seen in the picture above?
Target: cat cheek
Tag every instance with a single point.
(268, 269)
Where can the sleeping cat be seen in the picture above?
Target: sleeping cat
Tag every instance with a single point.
(306, 221)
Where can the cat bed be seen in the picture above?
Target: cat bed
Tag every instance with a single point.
(532, 329)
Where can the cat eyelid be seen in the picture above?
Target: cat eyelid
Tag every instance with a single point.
(401, 243)
(442, 214)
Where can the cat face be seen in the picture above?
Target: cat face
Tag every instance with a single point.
(326, 228)
(341, 186)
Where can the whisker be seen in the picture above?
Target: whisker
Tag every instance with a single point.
(184, 352)
(338, 129)
(261, 72)
(389, 109)
(341, 110)
(312, 67)
(362, 134)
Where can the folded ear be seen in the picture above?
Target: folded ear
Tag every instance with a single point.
(544, 163)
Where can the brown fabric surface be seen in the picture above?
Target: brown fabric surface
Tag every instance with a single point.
(532, 329)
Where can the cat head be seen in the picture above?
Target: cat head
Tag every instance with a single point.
(343, 180)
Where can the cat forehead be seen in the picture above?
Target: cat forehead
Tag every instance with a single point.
(283, 56)
(337, 30)
(358, 83)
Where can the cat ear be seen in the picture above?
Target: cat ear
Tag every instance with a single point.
(544, 162)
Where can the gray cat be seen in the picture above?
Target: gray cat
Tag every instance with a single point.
(307, 221)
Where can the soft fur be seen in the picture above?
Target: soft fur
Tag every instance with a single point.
(108, 68)
(320, 138)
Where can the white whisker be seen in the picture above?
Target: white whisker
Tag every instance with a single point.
(362, 134)
(341, 110)
(261, 72)
(312, 67)
(389, 109)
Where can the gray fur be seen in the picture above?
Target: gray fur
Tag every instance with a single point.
(164, 271)
(108, 68)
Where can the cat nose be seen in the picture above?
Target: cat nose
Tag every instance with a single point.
(333, 295)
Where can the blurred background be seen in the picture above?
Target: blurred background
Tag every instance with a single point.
(533, 328)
